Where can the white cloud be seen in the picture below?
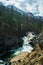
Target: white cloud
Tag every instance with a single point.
(28, 5)
(20, 0)
(30, 8)
(10, 2)
(40, 3)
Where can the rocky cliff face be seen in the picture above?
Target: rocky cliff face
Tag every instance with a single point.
(39, 40)
(34, 58)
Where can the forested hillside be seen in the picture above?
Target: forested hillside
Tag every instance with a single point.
(13, 22)
(14, 25)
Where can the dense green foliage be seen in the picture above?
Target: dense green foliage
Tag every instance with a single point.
(13, 22)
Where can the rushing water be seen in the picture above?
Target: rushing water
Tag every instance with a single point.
(26, 46)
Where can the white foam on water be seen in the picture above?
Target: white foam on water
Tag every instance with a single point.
(26, 46)
(2, 62)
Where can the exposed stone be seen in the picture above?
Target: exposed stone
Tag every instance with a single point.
(34, 58)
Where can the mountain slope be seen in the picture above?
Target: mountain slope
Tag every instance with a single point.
(15, 17)
(14, 25)
(16, 9)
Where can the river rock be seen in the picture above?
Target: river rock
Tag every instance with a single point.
(33, 58)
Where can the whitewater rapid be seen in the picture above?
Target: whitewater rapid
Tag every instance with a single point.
(26, 46)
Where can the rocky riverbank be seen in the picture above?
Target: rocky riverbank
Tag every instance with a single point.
(33, 58)
(39, 40)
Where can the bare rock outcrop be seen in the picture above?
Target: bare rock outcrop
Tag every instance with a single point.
(38, 40)
(33, 58)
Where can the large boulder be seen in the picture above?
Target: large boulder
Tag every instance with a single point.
(39, 40)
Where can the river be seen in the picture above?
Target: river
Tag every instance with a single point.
(26, 47)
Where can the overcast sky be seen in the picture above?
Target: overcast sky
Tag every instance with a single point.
(34, 6)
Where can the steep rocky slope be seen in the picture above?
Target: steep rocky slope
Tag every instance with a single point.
(38, 40)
